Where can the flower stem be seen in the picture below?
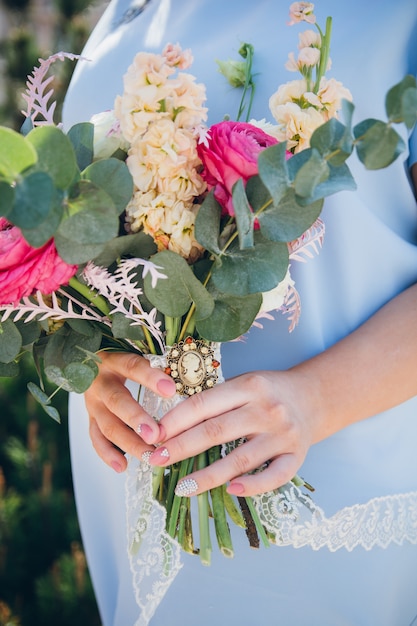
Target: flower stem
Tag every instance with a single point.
(224, 539)
(257, 522)
(203, 517)
(89, 294)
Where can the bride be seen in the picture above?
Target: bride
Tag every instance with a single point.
(334, 401)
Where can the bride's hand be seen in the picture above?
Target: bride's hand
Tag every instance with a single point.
(269, 410)
(113, 412)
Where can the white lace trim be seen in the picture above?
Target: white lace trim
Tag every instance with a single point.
(295, 520)
(288, 514)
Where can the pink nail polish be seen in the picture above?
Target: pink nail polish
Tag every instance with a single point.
(144, 431)
(117, 467)
(235, 489)
(166, 387)
(159, 457)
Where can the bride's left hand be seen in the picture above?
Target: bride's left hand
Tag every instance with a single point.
(265, 408)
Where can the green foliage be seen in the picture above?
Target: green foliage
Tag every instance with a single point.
(42, 566)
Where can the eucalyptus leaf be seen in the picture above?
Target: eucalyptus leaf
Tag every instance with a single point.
(114, 177)
(41, 397)
(34, 199)
(75, 377)
(38, 236)
(311, 173)
(243, 215)
(272, 167)
(16, 154)
(409, 107)
(333, 141)
(401, 102)
(289, 220)
(340, 179)
(29, 331)
(377, 143)
(258, 269)
(76, 253)
(232, 316)
(56, 155)
(8, 370)
(137, 245)
(7, 198)
(93, 221)
(175, 295)
(10, 341)
(207, 224)
(82, 138)
(124, 328)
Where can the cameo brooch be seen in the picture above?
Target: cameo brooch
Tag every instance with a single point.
(192, 365)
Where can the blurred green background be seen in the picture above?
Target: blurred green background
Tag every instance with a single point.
(44, 578)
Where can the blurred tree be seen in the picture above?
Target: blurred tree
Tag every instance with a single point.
(44, 579)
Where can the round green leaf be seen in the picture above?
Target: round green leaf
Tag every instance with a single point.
(243, 272)
(93, 217)
(10, 341)
(231, 317)
(288, 220)
(378, 144)
(7, 195)
(56, 155)
(174, 294)
(113, 176)
(35, 196)
(16, 154)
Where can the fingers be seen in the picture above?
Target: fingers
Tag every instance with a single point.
(116, 417)
(108, 393)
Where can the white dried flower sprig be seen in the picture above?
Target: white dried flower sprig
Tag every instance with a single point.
(36, 98)
(44, 307)
(122, 292)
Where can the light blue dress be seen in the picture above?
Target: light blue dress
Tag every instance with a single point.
(369, 255)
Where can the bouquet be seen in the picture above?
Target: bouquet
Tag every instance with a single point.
(146, 231)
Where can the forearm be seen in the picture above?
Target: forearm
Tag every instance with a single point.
(370, 371)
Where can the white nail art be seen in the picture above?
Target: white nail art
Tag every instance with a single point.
(186, 487)
(146, 455)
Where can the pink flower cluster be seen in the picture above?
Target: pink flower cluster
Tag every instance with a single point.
(24, 269)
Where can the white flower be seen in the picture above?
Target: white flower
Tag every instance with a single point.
(274, 299)
(107, 135)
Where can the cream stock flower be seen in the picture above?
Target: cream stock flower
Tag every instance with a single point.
(309, 38)
(169, 221)
(297, 124)
(302, 12)
(331, 93)
(175, 56)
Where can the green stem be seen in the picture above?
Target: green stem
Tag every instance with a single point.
(92, 296)
(224, 539)
(203, 517)
(324, 52)
(257, 522)
(172, 327)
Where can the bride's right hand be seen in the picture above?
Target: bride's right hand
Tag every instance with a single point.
(113, 412)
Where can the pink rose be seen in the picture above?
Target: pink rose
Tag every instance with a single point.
(231, 152)
(24, 269)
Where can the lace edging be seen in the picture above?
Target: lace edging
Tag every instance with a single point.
(379, 522)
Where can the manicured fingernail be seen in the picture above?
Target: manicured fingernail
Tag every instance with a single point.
(186, 487)
(145, 456)
(117, 467)
(144, 431)
(235, 489)
(160, 455)
(166, 387)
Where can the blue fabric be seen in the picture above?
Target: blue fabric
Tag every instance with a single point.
(369, 255)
